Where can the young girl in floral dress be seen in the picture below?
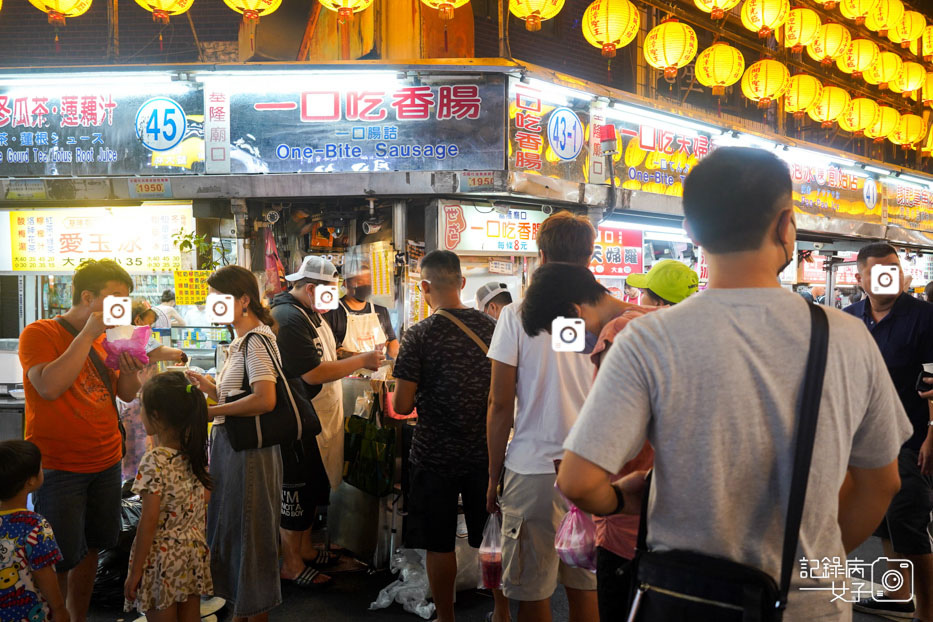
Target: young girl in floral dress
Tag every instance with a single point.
(170, 561)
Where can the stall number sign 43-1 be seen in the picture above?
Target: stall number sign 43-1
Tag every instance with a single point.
(565, 133)
(161, 124)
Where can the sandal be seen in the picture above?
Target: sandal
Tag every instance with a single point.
(307, 579)
(325, 559)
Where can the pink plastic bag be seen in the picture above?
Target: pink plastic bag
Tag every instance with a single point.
(576, 540)
(490, 554)
(135, 345)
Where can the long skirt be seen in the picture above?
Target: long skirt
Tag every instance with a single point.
(243, 525)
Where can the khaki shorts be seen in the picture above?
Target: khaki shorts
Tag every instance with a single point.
(531, 513)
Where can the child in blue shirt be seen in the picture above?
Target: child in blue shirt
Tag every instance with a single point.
(28, 552)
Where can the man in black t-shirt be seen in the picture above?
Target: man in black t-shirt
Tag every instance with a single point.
(314, 466)
(442, 370)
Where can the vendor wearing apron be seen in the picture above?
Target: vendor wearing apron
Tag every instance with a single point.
(360, 325)
(309, 351)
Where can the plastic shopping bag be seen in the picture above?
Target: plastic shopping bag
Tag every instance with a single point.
(490, 554)
(132, 339)
(576, 540)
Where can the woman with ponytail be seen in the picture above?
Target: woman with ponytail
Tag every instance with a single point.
(243, 513)
(169, 563)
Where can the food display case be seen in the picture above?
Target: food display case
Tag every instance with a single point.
(198, 342)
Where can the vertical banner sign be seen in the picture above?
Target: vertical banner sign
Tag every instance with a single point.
(617, 252)
(216, 130)
(191, 286)
(59, 240)
(382, 265)
(598, 173)
(528, 125)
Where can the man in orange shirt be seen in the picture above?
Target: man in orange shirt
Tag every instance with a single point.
(72, 417)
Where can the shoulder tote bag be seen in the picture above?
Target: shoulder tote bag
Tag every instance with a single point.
(292, 418)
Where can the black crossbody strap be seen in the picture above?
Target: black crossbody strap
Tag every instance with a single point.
(95, 360)
(806, 434)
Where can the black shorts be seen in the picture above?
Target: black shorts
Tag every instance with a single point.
(907, 523)
(305, 485)
(432, 506)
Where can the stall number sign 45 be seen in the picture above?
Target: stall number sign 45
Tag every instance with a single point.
(161, 124)
(565, 133)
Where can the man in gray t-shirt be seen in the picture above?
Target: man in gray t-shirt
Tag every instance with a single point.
(715, 385)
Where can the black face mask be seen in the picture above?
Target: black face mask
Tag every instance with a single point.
(363, 292)
(789, 257)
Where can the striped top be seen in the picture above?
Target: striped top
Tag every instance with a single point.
(257, 365)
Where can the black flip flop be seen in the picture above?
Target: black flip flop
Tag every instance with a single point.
(324, 559)
(306, 579)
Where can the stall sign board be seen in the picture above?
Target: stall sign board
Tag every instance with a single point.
(834, 192)
(57, 130)
(908, 206)
(813, 271)
(477, 181)
(617, 252)
(150, 187)
(191, 286)
(58, 240)
(470, 229)
(335, 124)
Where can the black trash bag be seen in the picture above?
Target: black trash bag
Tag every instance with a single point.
(113, 564)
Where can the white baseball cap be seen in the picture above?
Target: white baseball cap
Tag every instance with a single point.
(316, 268)
(487, 292)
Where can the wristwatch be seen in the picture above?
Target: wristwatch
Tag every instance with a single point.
(620, 503)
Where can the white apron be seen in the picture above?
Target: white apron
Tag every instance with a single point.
(328, 404)
(364, 330)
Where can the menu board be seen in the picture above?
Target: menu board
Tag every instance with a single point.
(191, 286)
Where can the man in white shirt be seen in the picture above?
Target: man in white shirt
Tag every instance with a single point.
(715, 383)
(550, 388)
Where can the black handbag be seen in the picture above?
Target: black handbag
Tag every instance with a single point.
(292, 418)
(681, 586)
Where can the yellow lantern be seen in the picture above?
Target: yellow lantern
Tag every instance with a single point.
(924, 45)
(533, 12)
(58, 10)
(669, 46)
(833, 101)
(716, 8)
(763, 16)
(857, 9)
(909, 131)
(444, 7)
(885, 16)
(610, 24)
(252, 10)
(831, 41)
(803, 91)
(859, 115)
(910, 78)
(162, 9)
(859, 57)
(346, 8)
(765, 81)
(884, 125)
(926, 90)
(908, 29)
(719, 66)
(885, 70)
(801, 28)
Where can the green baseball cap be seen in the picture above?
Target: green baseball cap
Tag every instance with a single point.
(669, 279)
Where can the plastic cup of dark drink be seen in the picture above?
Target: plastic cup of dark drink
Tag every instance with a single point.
(491, 564)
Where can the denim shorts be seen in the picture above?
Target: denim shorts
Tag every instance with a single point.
(83, 510)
